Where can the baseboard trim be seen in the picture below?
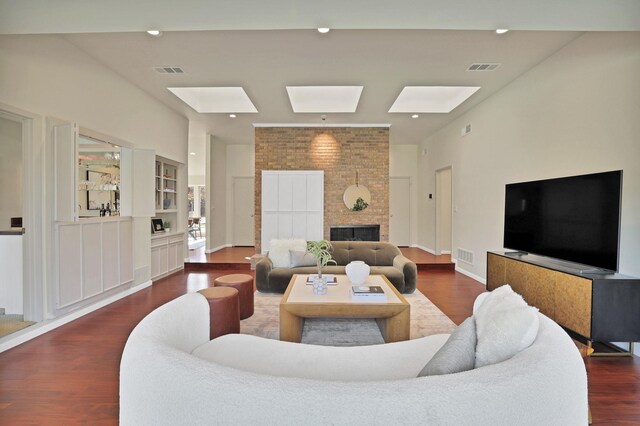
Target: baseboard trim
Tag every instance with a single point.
(469, 274)
(427, 249)
(38, 329)
(218, 248)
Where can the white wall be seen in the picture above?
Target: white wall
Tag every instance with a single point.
(10, 171)
(577, 112)
(49, 77)
(403, 162)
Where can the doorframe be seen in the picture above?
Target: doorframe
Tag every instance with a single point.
(33, 210)
(438, 218)
(410, 180)
(233, 203)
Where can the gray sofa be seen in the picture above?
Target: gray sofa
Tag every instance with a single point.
(383, 258)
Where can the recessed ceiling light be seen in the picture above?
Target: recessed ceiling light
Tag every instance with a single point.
(323, 30)
(501, 31)
(215, 99)
(324, 98)
(192, 153)
(155, 33)
(232, 115)
(415, 116)
(431, 99)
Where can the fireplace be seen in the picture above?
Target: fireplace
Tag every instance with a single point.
(355, 233)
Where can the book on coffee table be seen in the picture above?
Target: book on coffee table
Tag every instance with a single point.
(365, 292)
(331, 279)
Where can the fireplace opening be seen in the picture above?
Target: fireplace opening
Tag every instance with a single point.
(354, 233)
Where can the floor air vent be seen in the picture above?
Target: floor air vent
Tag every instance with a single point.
(465, 256)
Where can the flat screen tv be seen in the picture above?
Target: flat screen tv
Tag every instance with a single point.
(573, 218)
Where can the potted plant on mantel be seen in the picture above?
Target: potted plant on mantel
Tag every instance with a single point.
(321, 250)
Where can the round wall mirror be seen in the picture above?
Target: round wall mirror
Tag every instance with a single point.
(356, 197)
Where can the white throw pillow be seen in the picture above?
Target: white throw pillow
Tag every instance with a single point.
(505, 325)
(302, 258)
(279, 251)
(479, 300)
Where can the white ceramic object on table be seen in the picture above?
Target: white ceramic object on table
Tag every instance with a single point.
(357, 271)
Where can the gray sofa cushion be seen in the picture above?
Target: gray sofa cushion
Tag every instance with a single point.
(457, 354)
(372, 253)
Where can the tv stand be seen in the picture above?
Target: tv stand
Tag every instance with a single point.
(601, 306)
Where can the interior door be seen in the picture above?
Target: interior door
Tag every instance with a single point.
(400, 211)
(243, 227)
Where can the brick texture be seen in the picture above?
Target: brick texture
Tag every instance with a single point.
(339, 152)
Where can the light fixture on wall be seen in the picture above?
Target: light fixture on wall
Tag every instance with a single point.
(232, 116)
(155, 33)
(323, 30)
(502, 31)
(415, 116)
(324, 150)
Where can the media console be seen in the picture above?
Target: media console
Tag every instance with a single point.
(599, 307)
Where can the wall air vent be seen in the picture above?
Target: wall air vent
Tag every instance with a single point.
(465, 256)
(169, 70)
(482, 67)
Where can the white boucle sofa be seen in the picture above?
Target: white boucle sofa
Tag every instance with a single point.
(171, 374)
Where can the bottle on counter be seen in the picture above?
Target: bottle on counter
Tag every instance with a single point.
(107, 211)
(102, 210)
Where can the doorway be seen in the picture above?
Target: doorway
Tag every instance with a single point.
(400, 211)
(243, 215)
(443, 210)
(21, 242)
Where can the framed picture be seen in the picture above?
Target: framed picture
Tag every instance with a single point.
(156, 225)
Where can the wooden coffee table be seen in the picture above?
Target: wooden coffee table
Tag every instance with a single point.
(299, 303)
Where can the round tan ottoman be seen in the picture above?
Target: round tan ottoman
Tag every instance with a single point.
(224, 310)
(244, 284)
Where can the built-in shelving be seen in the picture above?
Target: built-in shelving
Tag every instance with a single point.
(167, 248)
(166, 186)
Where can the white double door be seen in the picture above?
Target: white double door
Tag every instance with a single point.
(292, 205)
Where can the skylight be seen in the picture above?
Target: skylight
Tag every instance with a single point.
(431, 99)
(215, 99)
(318, 99)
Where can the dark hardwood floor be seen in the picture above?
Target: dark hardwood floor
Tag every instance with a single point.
(70, 375)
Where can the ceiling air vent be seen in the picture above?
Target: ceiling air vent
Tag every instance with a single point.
(482, 67)
(169, 70)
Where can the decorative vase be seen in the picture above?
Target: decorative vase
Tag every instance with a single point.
(357, 271)
(319, 285)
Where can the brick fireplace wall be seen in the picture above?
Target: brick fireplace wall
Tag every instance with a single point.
(339, 152)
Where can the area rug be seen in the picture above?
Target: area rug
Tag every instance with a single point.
(426, 319)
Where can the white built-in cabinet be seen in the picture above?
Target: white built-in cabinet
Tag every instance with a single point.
(94, 257)
(166, 254)
(167, 249)
(292, 205)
